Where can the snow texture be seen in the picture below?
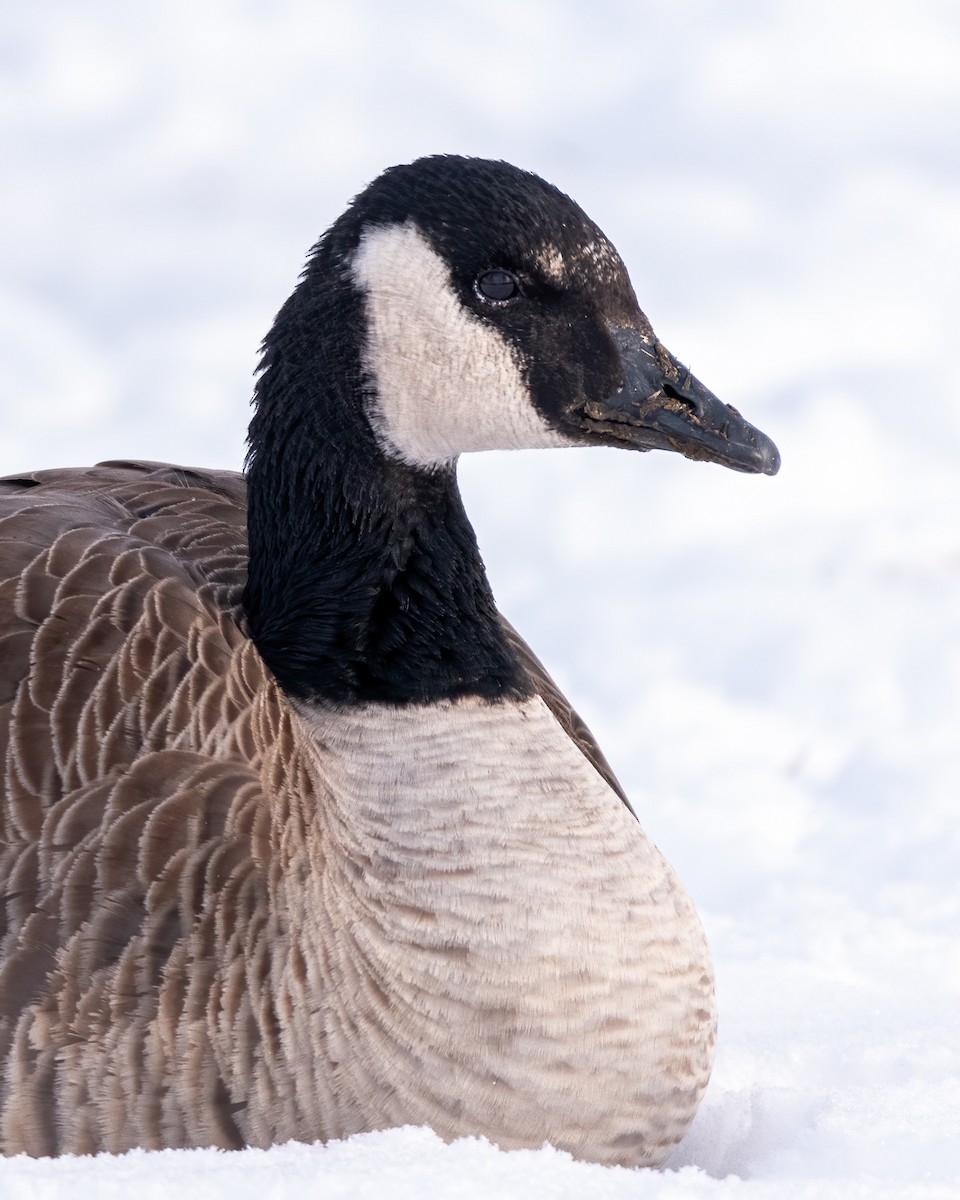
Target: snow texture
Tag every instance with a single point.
(772, 665)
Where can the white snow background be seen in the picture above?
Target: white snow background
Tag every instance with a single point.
(772, 665)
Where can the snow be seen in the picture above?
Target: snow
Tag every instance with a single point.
(782, 699)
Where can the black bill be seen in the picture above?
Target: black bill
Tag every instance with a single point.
(663, 407)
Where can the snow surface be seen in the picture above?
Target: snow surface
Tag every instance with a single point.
(782, 699)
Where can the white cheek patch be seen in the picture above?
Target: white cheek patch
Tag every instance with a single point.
(444, 380)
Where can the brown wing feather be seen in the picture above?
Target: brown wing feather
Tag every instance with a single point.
(570, 721)
(131, 781)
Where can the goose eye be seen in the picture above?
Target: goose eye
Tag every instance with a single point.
(498, 284)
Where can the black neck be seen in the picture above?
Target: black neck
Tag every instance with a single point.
(365, 581)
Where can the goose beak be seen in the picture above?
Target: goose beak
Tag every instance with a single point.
(662, 406)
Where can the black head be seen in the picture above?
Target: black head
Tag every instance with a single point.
(497, 314)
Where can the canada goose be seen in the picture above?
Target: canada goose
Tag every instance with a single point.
(313, 846)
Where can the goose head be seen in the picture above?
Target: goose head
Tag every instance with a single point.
(458, 305)
(500, 316)
(494, 314)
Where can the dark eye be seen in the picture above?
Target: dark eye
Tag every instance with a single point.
(497, 284)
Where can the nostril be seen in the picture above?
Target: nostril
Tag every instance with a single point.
(681, 403)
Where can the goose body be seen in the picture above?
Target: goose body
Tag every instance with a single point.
(297, 837)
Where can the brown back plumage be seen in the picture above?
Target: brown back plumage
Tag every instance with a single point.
(131, 774)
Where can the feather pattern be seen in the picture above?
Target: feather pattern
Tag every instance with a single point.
(159, 792)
